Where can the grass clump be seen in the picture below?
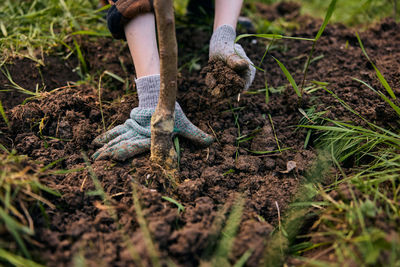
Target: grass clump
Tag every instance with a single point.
(357, 216)
(349, 12)
(222, 236)
(354, 12)
(359, 220)
(20, 193)
(31, 28)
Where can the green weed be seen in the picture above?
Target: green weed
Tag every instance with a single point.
(20, 189)
(17, 260)
(349, 12)
(284, 237)
(4, 115)
(351, 224)
(222, 236)
(289, 77)
(16, 86)
(328, 16)
(378, 73)
(273, 37)
(181, 208)
(35, 27)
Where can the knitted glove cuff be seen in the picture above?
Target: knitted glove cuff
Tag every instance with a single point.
(222, 37)
(148, 89)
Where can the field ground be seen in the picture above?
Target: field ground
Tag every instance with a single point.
(297, 181)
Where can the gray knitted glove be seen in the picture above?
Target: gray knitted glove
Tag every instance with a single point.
(222, 46)
(133, 137)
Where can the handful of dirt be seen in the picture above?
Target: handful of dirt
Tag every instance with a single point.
(222, 82)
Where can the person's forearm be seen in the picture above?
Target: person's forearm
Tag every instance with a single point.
(227, 12)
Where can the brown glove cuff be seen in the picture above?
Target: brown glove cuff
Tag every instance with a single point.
(122, 11)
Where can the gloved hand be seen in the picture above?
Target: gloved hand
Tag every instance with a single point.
(133, 137)
(223, 47)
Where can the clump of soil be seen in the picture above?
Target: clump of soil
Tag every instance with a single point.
(222, 82)
(62, 124)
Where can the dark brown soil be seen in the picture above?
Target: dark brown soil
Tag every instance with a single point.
(82, 225)
(31, 76)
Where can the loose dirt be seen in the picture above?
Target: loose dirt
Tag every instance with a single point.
(62, 124)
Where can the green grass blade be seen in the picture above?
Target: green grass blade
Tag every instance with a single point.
(390, 102)
(177, 149)
(14, 228)
(327, 128)
(92, 33)
(5, 150)
(67, 171)
(3, 29)
(265, 36)
(228, 234)
(268, 152)
(384, 82)
(48, 190)
(385, 98)
(244, 258)
(80, 57)
(307, 138)
(378, 73)
(289, 77)
(52, 164)
(362, 47)
(3, 114)
(266, 92)
(271, 36)
(17, 260)
(181, 208)
(328, 16)
(115, 76)
(106, 7)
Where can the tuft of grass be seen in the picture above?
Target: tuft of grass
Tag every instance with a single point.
(225, 244)
(354, 12)
(350, 226)
(20, 190)
(16, 86)
(35, 27)
(284, 237)
(349, 12)
(223, 234)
